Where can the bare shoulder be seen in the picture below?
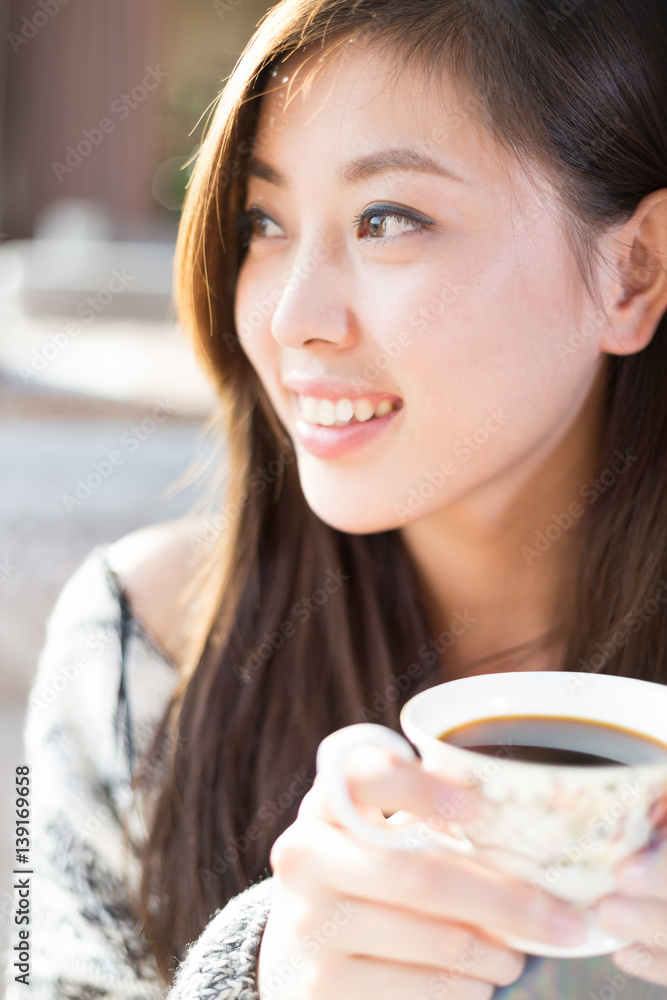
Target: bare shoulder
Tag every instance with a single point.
(154, 566)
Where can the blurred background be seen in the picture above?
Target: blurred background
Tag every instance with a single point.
(101, 106)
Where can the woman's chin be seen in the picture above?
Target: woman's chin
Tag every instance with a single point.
(355, 516)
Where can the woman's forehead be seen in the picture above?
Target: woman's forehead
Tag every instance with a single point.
(363, 68)
(359, 103)
(356, 97)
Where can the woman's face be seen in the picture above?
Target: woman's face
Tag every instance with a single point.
(411, 323)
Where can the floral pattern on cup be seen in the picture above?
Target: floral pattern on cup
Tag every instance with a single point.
(562, 833)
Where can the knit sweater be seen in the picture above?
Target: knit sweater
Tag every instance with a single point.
(99, 691)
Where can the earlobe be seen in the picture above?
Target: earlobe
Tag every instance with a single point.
(639, 299)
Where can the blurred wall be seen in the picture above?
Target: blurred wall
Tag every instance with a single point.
(68, 69)
(97, 95)
(100, 105)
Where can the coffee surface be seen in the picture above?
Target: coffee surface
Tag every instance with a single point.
(556, 740)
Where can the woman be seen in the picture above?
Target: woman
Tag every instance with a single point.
(427, 271)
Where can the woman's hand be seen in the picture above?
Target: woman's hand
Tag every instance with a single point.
(353, 920)
(639, 912)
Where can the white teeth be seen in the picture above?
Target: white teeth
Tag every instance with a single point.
(328, 412)
(363, 409)
(310, 408)
(383, 407)
(344, 410)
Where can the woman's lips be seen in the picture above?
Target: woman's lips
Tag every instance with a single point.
(336, 441)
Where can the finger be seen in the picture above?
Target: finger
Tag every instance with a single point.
(638, 960)
(358, 978)
(632, 918)
(645, 874)
(383, 932)
(376, 777)
(440, 884)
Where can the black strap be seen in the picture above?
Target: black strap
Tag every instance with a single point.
(123, 706)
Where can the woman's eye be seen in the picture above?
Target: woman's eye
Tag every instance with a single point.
(377, 224)
(254, 224)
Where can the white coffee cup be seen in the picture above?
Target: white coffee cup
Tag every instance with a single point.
(561, 827)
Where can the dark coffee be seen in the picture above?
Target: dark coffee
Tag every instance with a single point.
(556, 740)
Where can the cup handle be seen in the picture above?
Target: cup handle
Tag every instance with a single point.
(331, 754)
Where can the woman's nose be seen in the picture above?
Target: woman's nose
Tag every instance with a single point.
(314, 305)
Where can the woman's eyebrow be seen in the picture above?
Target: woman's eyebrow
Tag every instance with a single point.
(359, 169)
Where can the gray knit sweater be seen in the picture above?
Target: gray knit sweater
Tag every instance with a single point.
(84, 939)
(85, 942)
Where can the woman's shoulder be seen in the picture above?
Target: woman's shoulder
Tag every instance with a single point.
(109, 628)
(153, 568)
(121, 602)
(146, 571)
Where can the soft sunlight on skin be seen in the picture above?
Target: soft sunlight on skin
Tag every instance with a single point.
(463, 321)
(453, 296)
(491, 273)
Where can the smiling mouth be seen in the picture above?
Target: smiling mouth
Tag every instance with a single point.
(344, 411)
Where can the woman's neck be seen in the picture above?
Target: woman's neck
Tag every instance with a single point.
(495, 564)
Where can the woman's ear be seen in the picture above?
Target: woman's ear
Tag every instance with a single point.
(636, 295)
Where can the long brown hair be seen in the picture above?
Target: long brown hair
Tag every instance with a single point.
(298, 628)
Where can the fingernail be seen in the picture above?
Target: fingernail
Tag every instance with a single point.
(568, 928)
(620, 914)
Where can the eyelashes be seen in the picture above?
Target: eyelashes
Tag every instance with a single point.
(418, 222)
(245, 220)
